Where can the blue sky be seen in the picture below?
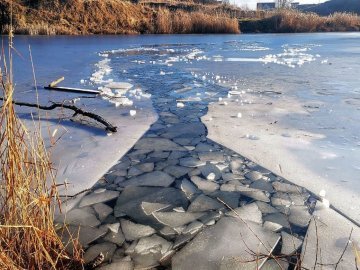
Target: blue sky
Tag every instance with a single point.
(252, 3)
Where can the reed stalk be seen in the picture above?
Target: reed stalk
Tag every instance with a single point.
(28, 192)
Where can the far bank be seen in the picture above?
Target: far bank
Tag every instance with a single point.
(75, 17)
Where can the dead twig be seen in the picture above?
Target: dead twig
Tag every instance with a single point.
(357, 255)
(317, 242)
(54, 105)
(342, 254)
(247, 225)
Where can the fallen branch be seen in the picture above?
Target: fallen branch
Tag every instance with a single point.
(54, 105)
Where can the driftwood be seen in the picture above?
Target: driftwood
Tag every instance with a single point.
(53, 86)
(54, 105)
(72, 89)
(54, 83)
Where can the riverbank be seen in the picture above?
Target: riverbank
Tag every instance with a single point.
(116, 17)
(151, 17)
(293, 21)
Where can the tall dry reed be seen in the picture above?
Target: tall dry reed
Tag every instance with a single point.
(292, 21)
(119, 17)
(28, 193)
(182, 22)
(288, 20)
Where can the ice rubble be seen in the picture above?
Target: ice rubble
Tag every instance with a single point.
(117, 93)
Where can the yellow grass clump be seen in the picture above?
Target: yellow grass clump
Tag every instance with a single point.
(296, 21)
(28, 193)
(292, 21)
(181, 22)
(77, 17)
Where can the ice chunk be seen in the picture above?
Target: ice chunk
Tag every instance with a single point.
(180, 105)
(326, 202)
(230, 241)
(119, 85)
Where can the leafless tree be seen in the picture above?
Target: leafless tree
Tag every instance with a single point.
(284, 3)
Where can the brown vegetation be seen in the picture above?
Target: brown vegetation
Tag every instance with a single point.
(28, 193)
(292, 21)
(332, 6)
(77, 17)
(181, 22)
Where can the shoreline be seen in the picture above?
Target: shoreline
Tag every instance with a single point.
(165, 18)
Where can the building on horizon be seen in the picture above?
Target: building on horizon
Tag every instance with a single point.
(295, 5)
(305, 7)
(265, 6)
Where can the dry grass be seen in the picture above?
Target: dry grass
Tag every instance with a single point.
(295, 21)
(181, 22)
(344, 22)
(79, 17)
(28, 193)
(36, 29)
(292, 21)
(356, 251)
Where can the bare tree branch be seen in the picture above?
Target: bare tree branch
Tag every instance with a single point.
(284, 3)
(54, 105)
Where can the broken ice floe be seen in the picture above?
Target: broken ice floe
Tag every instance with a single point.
(322, 193)
(326, 202)
(292, 56)
(119, 93)
(103, 69)
(180, 105)
(114, 92)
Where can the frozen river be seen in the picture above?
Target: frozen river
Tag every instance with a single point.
(294, 105)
